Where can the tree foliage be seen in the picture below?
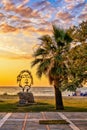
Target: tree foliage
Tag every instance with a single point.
(79, 33)
(51, 55)
(78, 54)
(78, 67)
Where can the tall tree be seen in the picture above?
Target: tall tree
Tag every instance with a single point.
(78, 54)
(77, 73)
(51, 59)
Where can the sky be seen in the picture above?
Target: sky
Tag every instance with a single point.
(22, 22)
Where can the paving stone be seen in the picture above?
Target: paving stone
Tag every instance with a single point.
(76, 115)
(35, 115)
(52, 116)
(17, 116)
(59, 127)
(34, 126)
(10, 125)
(2, 115)
(81, 124)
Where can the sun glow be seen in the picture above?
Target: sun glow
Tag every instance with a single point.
(22, 23)
(9, 70)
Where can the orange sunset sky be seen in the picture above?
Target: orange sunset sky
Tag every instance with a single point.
(22, 22)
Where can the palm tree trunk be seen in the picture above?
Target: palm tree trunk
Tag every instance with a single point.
(58, 99)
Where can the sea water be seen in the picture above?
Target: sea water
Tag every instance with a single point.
(37, 91)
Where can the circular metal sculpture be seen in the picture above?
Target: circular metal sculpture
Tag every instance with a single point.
(25, 80)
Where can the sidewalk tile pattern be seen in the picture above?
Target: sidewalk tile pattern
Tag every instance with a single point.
(16, 120)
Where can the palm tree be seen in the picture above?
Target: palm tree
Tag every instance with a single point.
(51, 60)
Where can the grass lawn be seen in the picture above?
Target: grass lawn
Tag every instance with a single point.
(74, 104)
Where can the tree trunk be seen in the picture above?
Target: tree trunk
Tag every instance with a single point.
(58, 99)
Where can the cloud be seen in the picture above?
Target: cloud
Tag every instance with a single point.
(80, 5)
(78, 9)
(64, 16)
(70, 6)
(2, 18)
(11, 55)
(7, 28)
(75, 5)
(41, 3)
(20, 9)
(1, 15)
(41, 32)
(23, 11)
(44, 8)
(83, 15)
(69, 1)
(13, 48)
(9, 7)
(85, 9)
(17, 15)
(22, 2)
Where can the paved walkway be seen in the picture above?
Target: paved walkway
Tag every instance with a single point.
(30, 121)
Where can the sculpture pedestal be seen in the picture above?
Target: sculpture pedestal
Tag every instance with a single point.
(25, 98)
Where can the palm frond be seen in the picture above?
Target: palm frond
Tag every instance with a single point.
(61, 36)
(46, 39)
(58, 34)
(39, 51)
(43, 67)
(39, 73)
(67, 38)
(36, 61)
(47, 42)
(51, 79)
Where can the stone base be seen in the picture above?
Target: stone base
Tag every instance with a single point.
(26, 98)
